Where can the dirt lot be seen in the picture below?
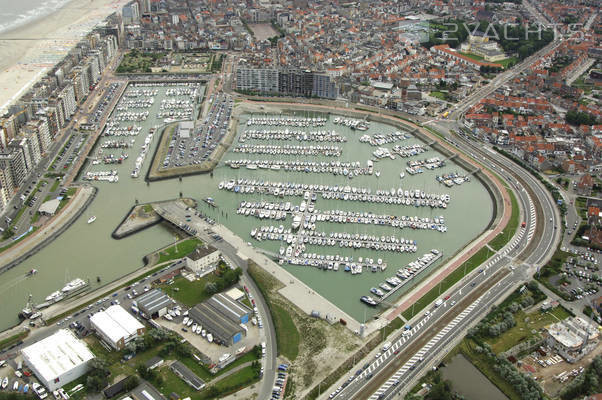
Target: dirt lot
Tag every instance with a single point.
(545, 376)
(263, 31)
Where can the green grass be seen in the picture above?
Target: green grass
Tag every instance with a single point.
(13, 339)
(55, 185)
(477, 259)
(189, 293)
(473, 56)
(504, 237)
(506, 61)
(287, 334)
(439, 95)
(483, 364)
(179, 250)
(525, 323)
(240, 379)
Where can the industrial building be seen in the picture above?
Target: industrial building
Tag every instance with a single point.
(233, 310)
(203, 259)
(116, 326)
(223, 324)
(572, 338)
(154, 303)
(58, 359)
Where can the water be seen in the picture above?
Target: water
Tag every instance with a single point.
(87, 250)
(17, 13)
(468, 381)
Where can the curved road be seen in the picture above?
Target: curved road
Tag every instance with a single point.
(392, 372)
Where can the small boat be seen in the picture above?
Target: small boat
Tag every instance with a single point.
(4, 382)
(16, 385)
(26, 388)
(92, 219)
(402, 175)
(31, 272)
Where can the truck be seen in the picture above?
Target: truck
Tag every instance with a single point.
(386, 346)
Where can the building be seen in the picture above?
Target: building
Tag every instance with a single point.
(261, 80)
(213, 319)
(49, 207)
(58, 359)
(187, 375)
(185, 128)
(203, 259)
(572, 338)
(130, 13)
(231, 309)
(290, 82)
(116, 327)
(14, 163)
(154, 303)
(235, 294)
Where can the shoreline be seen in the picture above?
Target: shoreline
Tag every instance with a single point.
(29, 50)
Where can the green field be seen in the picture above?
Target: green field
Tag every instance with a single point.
(439, 95)
(287, 334)
(189, 293)
(506, 61)
(178, 250)
(473, 56)
(525, 323)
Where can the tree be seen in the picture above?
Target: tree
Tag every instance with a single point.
(131, 383)
(210, 288)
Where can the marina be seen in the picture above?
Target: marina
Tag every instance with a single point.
(286, 134)
(329, 151)
(280, 211)
(92, 248)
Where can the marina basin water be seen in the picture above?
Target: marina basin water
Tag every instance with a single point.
(87, 250)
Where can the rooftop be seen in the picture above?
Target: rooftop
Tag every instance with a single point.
(57, 354)
(116, 323)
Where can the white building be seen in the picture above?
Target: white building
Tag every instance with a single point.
(203, 260)
(58, 359)
(116, 326)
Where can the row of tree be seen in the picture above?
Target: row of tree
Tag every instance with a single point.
(524, 385)
(227, 278)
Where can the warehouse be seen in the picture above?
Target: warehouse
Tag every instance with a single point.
(58, 359)
(116, 326)
(223, 329)
(154, 303)
(233, 310)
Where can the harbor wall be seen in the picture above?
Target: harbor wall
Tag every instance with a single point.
(44, 242)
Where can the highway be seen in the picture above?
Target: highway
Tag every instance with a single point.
(414, 351)
(191, 221)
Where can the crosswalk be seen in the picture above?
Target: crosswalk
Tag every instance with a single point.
(394, 380)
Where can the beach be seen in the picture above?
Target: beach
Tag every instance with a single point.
(28, 51)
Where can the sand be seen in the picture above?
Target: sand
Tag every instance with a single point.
(28, 51)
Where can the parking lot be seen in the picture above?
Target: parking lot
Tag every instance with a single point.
(104, 103)
(204, 138)
(70, 152)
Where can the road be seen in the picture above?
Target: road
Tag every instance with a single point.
(504, 270)
(459, 109)
(193, 223)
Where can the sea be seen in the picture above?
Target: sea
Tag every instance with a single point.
(16, 13)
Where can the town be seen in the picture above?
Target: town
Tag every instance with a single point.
(297, 199)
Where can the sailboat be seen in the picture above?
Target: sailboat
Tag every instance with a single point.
(92, 219)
